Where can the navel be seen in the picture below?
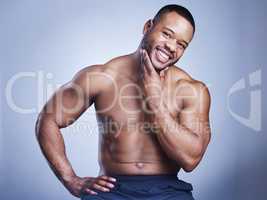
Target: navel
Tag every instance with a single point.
(140, 165)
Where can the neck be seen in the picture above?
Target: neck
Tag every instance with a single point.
(136, 57)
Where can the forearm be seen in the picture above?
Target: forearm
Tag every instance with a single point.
(180, 143)
(52, 145)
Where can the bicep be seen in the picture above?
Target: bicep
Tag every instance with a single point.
(195, 114)
(71, 99)
(66, 105)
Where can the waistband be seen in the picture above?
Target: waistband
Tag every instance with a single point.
(150, 181)
(141, 178)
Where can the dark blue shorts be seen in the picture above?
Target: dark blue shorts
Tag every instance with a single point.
(146, 187)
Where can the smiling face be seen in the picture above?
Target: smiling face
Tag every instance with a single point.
(167, 40)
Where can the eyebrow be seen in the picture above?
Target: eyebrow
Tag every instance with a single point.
(174, 33)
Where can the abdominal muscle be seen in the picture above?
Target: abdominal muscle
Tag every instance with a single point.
(134, 154)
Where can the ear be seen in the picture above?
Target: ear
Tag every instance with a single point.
(148, 25)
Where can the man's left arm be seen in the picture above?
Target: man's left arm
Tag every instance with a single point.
(186, 137)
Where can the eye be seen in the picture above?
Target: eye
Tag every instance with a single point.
(181, 46)
(166, 34)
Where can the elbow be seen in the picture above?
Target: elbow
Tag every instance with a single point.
(191, 160)
(190, 164)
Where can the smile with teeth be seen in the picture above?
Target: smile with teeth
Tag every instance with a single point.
(162, 56)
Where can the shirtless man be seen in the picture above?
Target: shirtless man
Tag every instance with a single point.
(153, 117)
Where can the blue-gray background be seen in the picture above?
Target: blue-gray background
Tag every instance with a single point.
(57, 38)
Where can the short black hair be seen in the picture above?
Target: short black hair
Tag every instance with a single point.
(180, 10)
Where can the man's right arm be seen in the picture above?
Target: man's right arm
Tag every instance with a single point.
(64, 107)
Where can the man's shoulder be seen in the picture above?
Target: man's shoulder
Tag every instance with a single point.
(177, 74)
(185, 82)
(108, 69)
(119, 65)
(105, 73)
(95, 69)
(181, 76)
(193, 83)
(98, 76)
(112, 67)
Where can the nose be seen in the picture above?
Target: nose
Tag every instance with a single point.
(171, 45)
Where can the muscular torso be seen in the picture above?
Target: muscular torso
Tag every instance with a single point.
(127, 139)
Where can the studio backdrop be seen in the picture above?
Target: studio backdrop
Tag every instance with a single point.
(44, 43)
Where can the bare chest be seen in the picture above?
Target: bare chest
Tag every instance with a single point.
(124, 107)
